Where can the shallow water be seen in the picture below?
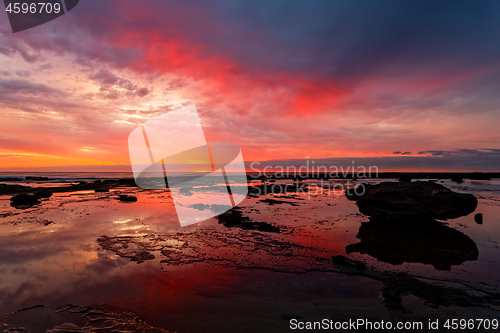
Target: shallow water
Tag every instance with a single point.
(210, 278)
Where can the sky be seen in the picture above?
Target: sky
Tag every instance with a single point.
(406, 85)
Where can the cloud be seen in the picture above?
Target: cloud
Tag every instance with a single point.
(177, 84)
(463, 152)
(458, 161)
(25, 87)
(46, 66)
(106, 78)
(142, 92)
(113, 86)
(23, 73)
(285, 79)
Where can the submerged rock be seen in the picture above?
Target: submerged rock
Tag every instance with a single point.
(137, 249)
(23, 201)
(478, 218)
(412, 201)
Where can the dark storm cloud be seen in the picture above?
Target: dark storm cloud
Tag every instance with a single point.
(439, 50)
(329, 43)
(332, 38)
(345, 38)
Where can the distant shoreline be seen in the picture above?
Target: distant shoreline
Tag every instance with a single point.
(5, 176)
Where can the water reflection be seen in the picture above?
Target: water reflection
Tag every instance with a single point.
(88, 255)
(431, 243)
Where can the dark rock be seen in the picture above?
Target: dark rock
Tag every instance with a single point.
(142, 256)
(479, 176)
(23, 201)
(478, 218)
(405, 179)
(43, 194)
(14, 189)
(127, 198)
(36, 178)
(457, 180)
(396, 243)
(415, 201)
(10, 179)
(102, 189)
(271, 202)
(235, 218)
(126, 181)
